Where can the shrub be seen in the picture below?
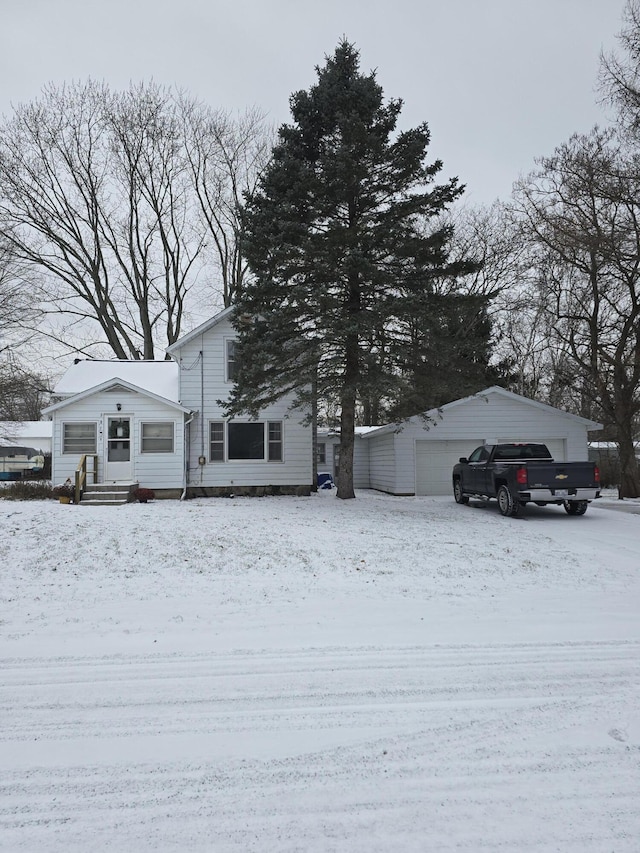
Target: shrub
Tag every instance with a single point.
(143, 495)
(27, 490)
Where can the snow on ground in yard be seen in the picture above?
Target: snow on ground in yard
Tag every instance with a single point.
(307, 674)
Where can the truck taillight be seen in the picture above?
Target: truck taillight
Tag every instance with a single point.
(596, 473)
(521, 477)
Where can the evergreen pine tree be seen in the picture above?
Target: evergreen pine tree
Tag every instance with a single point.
(343, 240)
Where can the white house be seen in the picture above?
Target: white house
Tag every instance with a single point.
(125, 417)
(272, 455)
(417, 457)
(161, 424)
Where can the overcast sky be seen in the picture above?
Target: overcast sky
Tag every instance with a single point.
(498, 81)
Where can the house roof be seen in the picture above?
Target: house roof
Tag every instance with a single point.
(22, 432)
(331, 432)
(201, 329)
(155, 377)
(487, 392)
(116, 382)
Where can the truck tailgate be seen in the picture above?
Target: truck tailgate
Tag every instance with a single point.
(559, 475)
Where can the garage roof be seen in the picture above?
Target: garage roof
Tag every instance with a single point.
(493, 390)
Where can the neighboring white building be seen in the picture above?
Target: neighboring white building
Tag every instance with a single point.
(23, 446)
(34, 434)
(329, 453)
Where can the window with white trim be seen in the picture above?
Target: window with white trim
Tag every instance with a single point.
(230, 355)
(79, 437)
(216, 441)
(245, 440)
(274, 433)
(322, 453)
(157, 437)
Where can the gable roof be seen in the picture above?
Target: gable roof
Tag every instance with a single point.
(111, 384)
(200, 330)
(25, 431)
(155, 377)
(497, 391)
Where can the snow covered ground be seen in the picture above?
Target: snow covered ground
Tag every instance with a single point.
(305, 674)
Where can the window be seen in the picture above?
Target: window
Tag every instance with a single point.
(322, 453)
(79, 438)
(246, 441)
(480, 454)
(216, 441)
(231, 360)
(275, 441)
(257, 440)
(157, 437)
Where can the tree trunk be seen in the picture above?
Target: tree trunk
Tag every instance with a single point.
(347, 433)
(629, 474)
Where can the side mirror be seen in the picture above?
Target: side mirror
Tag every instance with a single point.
(463, 460)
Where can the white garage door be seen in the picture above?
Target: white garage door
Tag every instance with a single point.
(435, 461)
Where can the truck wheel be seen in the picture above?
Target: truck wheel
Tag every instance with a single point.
(458, 494)
(506, 504)
(576, 507)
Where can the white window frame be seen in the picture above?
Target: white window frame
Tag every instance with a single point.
(322, 452)
(143, 438)
(81, 450)
(269, 441)
(229, 359)
(219, 442)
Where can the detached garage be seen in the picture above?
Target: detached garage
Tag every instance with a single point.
(417, 457)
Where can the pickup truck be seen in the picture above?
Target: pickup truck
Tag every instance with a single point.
(516, 474)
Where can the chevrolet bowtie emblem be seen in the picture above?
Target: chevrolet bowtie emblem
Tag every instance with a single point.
(561, 476)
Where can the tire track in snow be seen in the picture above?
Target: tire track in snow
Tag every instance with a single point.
(514, 747)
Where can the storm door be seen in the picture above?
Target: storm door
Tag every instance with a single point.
(117, 466)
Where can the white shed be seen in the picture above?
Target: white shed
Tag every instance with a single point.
(417, 456)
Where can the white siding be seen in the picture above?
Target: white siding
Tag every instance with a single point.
(202, 384)
(490, 417)
(382, 463)
(361, 478)
(360, 459)
(153, 470)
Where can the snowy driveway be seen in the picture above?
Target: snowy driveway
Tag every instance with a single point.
(386, 674)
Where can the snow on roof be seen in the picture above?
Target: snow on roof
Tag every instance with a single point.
(21, 431)
(330, 432)
(157, 377)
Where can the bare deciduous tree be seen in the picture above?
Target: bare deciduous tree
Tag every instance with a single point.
(100, 193)
(581, 211)
(226, 156)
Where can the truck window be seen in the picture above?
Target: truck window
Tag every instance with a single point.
(480, 454)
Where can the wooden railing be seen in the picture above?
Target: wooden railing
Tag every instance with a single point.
(81, 474)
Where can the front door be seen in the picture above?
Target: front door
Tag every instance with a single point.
(117, 466)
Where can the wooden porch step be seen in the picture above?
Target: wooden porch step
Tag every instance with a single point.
(108, 494)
